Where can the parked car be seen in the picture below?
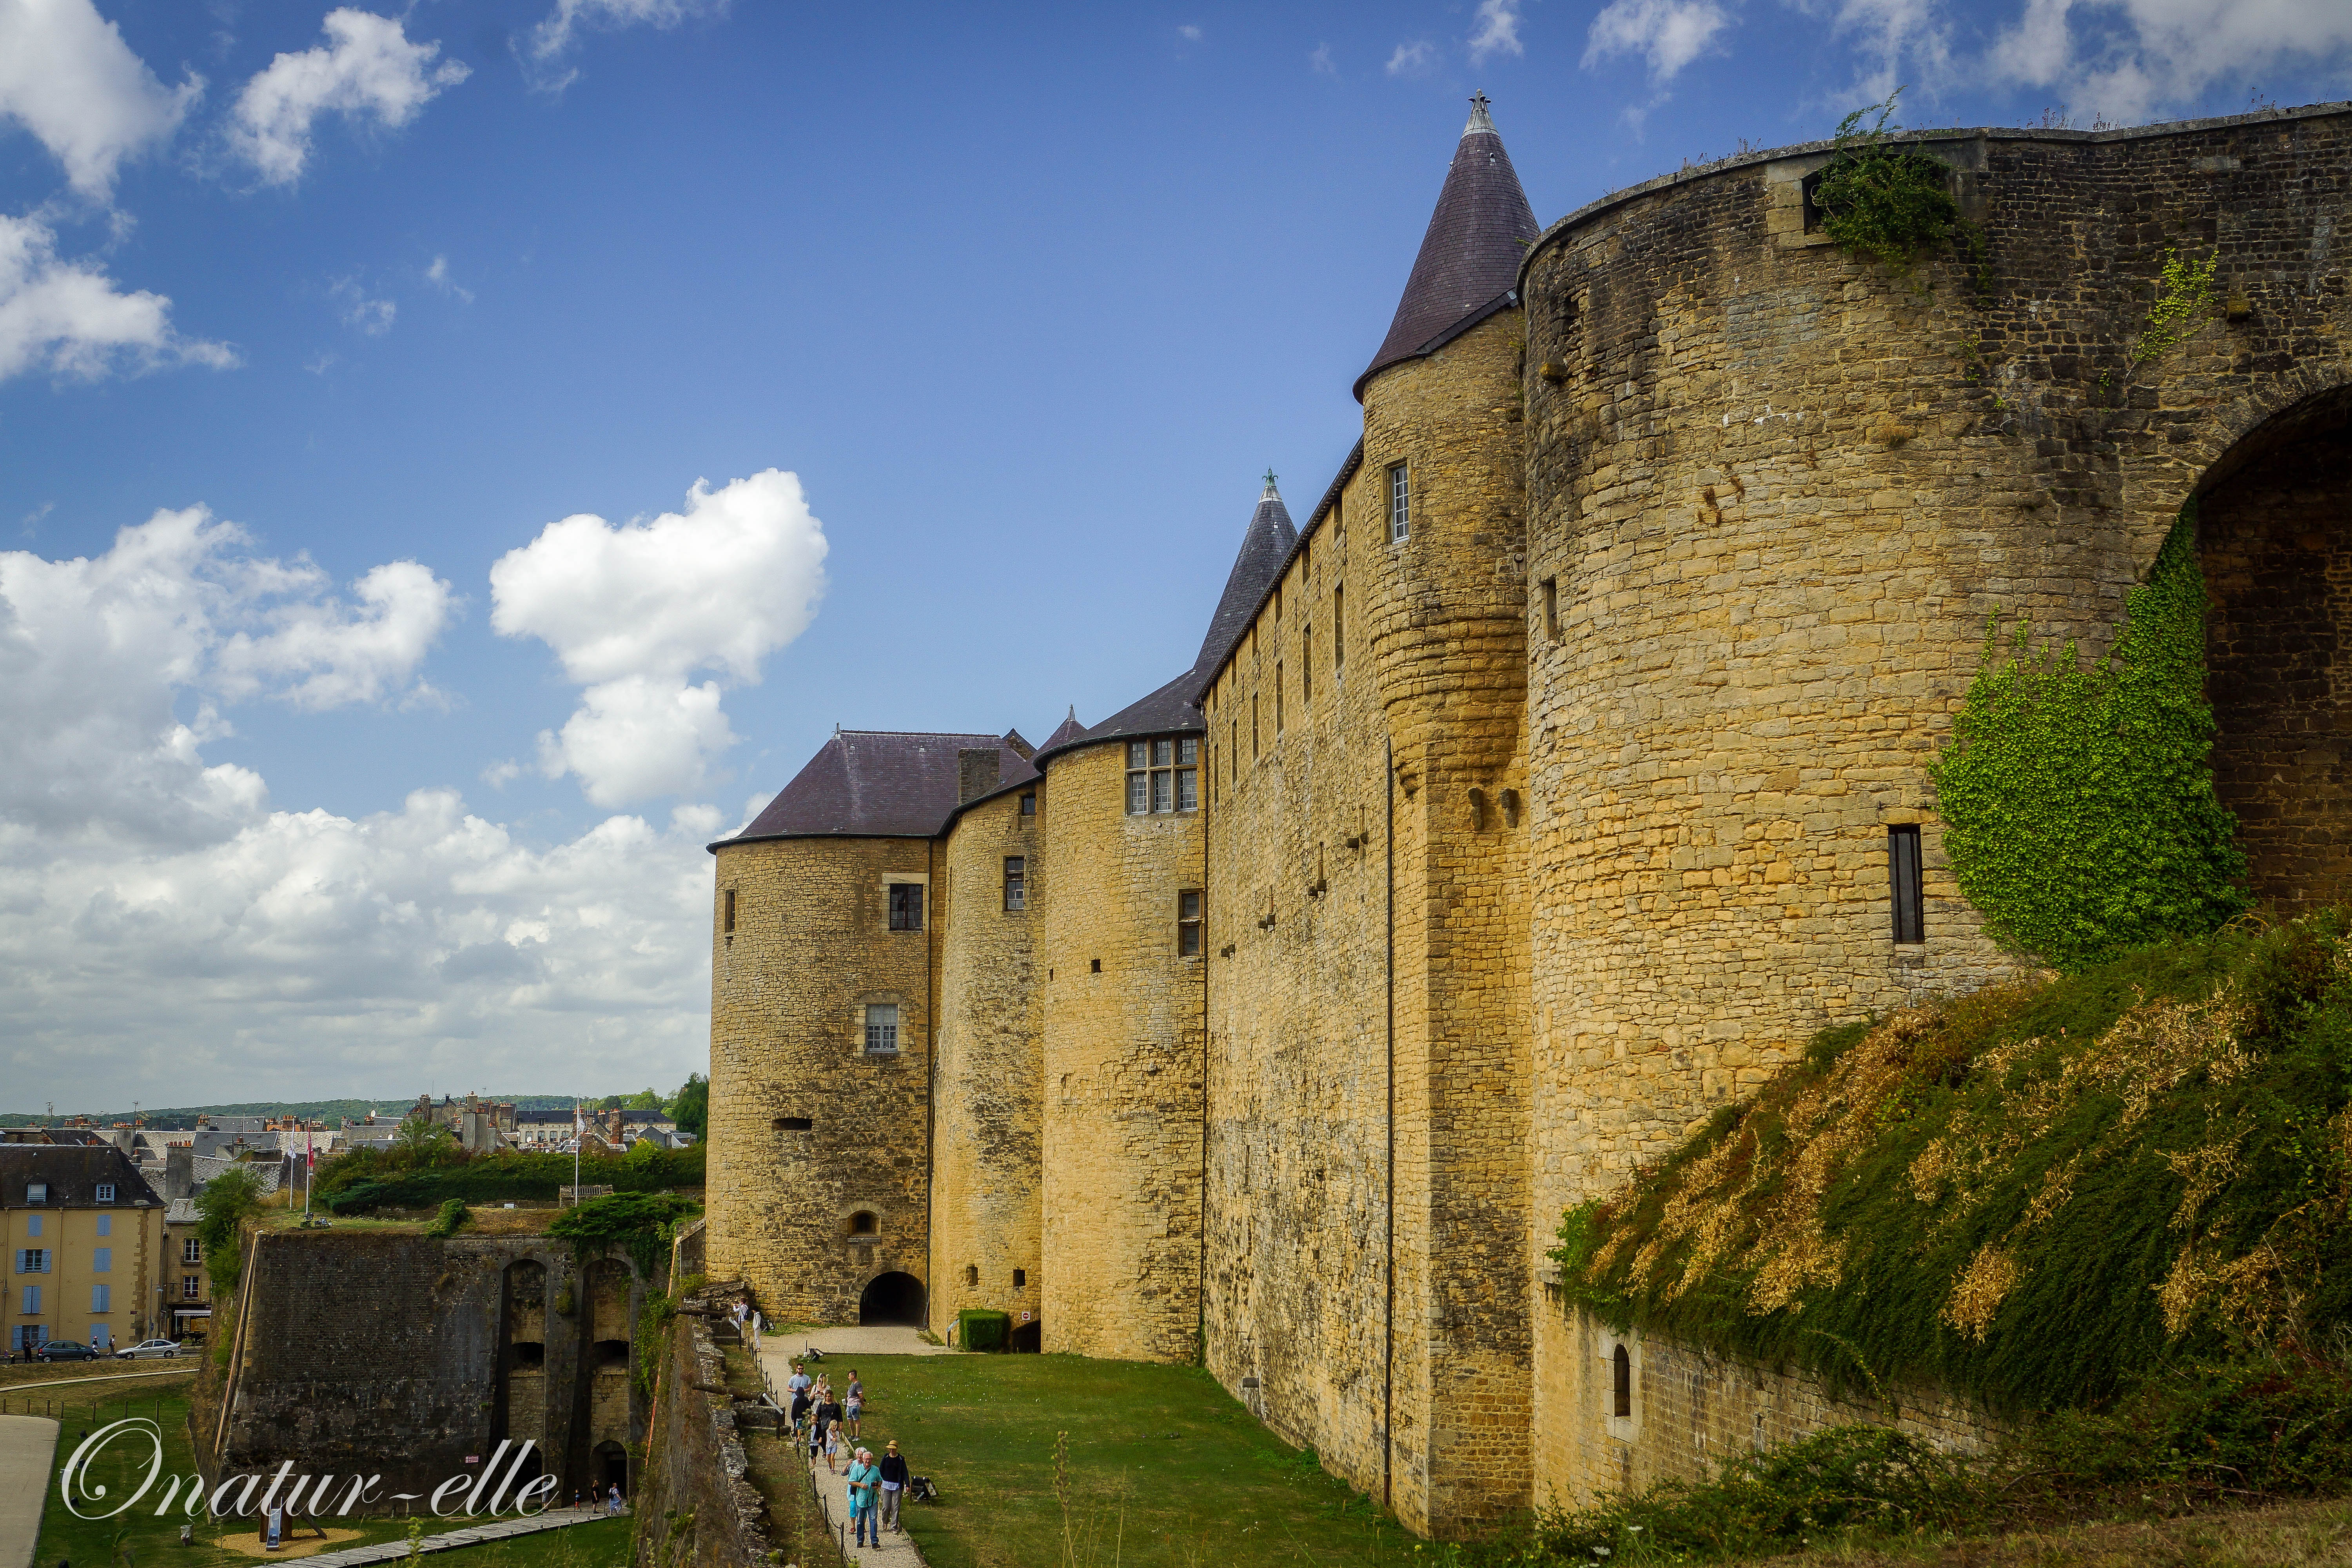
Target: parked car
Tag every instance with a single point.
(65, 1349)
(147, 1348)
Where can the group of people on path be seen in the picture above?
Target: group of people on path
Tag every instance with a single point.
(831, 1428)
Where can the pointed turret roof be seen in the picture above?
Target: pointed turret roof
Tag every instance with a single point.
(1265, 545)
(1067, 730)
(1469, 260)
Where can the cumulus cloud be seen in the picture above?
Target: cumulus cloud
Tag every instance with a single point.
(438, 276)
(633, 610)
(1896, 40)
(1495, 31)
(1413, 59)
(69, 317)
(1668, 33)
(2129, 59)
(555, 36)
(67, 75)
(367, 71)
(162, 920)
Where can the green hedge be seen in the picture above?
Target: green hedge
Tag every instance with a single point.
(980, 1329)
(364, 1180)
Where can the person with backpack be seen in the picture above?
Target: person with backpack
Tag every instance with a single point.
(861, 1478)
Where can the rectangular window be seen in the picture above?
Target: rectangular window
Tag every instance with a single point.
(105, 1191)
(1163, 797)
(1021, 1280)
(106, 1225)
(32, 1225)
(1188, 925)
(32, 1261)
(1551, 607)
(1339, 628)
(906, 906)
(190, 1290)
(1029, 804)
(32, 1297)
(1233, 750)
(102, 1260)
(727, 921)
(37, 1192)
(1187, 775)
(882, 1027)
(101, 1298)
(1400, 504)
(1016, 882)
(191, 1251)
(1163, 776)
(1903, 880)
(1306, 667)
(1254, 743)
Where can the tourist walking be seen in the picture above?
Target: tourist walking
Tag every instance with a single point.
(828, 1418)
(832, 1449)
(893, 1473)
(856, 1403)
(862, 1478)
(798, 1386)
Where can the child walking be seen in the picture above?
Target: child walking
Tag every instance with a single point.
(856, 1403)
(832, 1449)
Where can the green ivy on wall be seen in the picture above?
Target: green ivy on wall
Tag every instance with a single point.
(2078, 802)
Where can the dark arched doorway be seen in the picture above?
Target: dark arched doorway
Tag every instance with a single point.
(1028, 1338)
(612, 1468)
(892, 1299)
(2274, 539)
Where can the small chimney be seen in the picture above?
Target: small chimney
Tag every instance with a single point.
(976, 772)
(179, 1170)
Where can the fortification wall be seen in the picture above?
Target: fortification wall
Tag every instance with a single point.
(696, 1505)
(391, 1355)
(1778, 495)
(1296, 1308)
(986, 1164)
(811, 948)
(1122, 1059)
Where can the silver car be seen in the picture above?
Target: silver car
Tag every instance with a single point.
(145, 1349)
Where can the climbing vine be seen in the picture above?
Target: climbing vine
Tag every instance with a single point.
(2184, 295)
(2078, 801)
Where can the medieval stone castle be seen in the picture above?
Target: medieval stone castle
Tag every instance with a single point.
(1552, 782)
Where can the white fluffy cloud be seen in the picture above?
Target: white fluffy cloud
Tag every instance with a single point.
(69, 317)
(367, 71)
(2129, 59)
(67, 75)
(1494, 30)
(633, 610)
(560, 30)
(1412, 58)
(164, 924)
(1668, 33)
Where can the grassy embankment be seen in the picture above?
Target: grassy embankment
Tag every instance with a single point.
(122, 1466)
(1162, 1470)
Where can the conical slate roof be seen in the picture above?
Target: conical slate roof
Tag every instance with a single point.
(1469, 260)
(1067, 730)
(1265, 545)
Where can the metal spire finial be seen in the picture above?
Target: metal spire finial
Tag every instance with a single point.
(1269, 484)
(1479, 120)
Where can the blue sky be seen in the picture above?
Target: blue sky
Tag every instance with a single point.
(302, 800)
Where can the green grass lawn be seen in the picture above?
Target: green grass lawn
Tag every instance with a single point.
(1164, 1468)
(67, 1538)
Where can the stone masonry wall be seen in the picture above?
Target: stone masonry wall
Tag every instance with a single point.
(811, 949)
(1122, 1059)
(695, 1506)
(987, 1166)
(1778, 496)
(387, 1355)
(1692, 1410)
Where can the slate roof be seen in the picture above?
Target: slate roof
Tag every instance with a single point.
(1266, 542)
(1469, 260)
(1170, 711)
(1069, 729)
(72, 1173)
(879, 784)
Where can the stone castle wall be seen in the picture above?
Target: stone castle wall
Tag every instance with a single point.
(1122, 1056)
(987, 1163)
(810, 948)
(1778, 496)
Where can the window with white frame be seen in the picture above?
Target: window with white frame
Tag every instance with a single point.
(191, 1251)
(1163, 776)
(191, 1287)
(881, 1028)
(1400, 504)
(1016, 883)
(105, 1191)
(32, 1261)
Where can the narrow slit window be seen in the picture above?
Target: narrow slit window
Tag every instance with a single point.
(1400, 504)
(1903, 883)
(1622, 1384)
(1277, 699)
(1188, 924)
(972, 1273)
(1234, 750)
(906, 906)
(1339, 629)
(1016, 883)
(1552, 609)
(727, 919)
(783, 1124)
(1306, 667)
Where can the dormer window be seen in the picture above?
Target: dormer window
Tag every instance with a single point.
(37, 1192)
(105, 1191)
